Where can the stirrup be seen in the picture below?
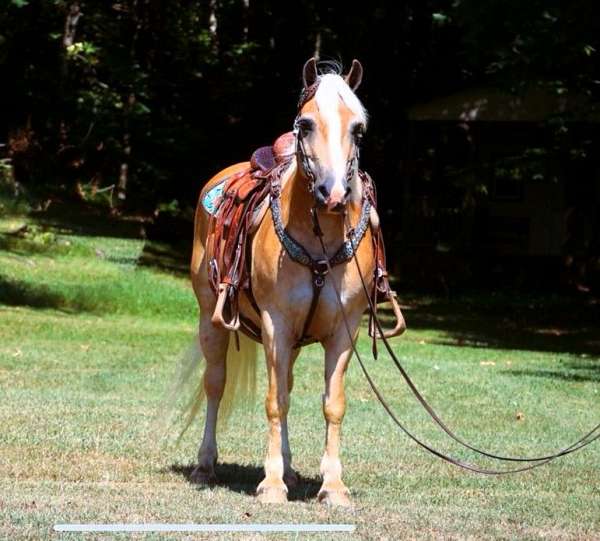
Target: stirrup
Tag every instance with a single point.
(217, 317)
(400, 326)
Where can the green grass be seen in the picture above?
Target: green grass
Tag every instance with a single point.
(90, 340)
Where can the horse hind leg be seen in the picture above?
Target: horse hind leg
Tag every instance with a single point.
(213, 342)
(290, 477)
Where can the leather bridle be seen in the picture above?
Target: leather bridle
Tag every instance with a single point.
(304, 158)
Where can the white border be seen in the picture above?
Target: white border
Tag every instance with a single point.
(279, 528)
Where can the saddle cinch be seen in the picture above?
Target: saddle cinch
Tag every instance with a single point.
(236, 212)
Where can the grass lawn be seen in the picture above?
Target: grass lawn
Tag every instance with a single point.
(90, 340)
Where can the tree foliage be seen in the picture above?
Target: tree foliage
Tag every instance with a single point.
(151, 97)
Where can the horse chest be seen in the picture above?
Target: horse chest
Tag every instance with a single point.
(286, 289)
(297, 297)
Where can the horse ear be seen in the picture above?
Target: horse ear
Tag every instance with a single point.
(309, 72)
(354, 76)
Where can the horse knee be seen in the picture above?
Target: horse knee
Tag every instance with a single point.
(214, 380)
(276, 406)
(334, 408)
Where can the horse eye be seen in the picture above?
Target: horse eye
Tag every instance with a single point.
(358, 133)
(305, 126)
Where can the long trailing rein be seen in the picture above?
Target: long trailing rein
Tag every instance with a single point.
(532, 463)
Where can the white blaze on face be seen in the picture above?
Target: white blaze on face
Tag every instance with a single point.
(331, 93)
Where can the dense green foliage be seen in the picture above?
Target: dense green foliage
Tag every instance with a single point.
(151, 97)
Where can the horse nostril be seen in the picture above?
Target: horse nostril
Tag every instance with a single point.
(348, 191)
(323, 191)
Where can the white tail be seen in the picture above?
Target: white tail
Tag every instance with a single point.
(240, 381)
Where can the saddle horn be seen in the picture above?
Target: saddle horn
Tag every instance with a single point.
(354, 77)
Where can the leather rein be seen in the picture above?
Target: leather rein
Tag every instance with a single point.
(324, 266)
(531, 462)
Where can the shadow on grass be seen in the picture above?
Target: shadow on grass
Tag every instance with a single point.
(557, 323)
(14, 293)
(168, 239)
(570, 371)
(166, 257)
(89, 220)
(562, 323)
(244, 479)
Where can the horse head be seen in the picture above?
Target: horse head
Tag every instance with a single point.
(329, 127)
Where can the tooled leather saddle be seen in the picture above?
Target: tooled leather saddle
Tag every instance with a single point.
(236, 214)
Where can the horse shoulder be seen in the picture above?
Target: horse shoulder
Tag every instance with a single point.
(266, 257)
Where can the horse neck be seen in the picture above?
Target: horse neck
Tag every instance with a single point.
(296, 205)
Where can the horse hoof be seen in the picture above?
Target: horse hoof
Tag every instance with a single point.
(290, 478)
(335, 497)
(271, 494)
(203, 476)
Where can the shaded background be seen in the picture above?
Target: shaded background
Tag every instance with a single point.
(483, 138)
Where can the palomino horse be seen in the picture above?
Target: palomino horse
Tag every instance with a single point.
(294, 302)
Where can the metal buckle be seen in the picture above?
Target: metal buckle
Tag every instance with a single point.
(320, 270)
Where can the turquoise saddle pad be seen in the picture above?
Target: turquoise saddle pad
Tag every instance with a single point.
(212, 198)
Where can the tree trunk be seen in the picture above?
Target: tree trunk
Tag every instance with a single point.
(70, 30)
(129, 103)
(213, 24)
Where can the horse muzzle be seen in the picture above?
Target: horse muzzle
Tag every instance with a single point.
(333, 200)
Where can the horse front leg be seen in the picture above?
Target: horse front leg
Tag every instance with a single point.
(337, 356)
(279, 355)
